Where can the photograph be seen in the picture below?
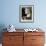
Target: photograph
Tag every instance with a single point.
(26, 13)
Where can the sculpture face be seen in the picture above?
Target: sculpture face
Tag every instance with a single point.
(27, 10)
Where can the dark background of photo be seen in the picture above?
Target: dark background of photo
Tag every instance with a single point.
(24, 15)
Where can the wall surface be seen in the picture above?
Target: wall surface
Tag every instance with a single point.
(9, 13)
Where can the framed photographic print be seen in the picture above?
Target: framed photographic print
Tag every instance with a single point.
(26, 13)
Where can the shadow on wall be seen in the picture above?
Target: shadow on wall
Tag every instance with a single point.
(2, 26)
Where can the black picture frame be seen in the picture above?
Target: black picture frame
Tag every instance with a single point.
(26, 13)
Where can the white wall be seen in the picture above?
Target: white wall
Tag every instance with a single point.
(9, 13)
